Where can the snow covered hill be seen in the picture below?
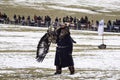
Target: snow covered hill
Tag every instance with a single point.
(75, 5)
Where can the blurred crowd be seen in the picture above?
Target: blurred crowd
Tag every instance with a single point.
(82, 23)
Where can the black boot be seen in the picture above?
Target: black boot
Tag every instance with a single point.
(58, 70)
(72, 70)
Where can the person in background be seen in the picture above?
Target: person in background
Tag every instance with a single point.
(109, 26)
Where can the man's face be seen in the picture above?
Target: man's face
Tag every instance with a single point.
(64, 32)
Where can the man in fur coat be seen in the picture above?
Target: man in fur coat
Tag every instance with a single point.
(63, 57)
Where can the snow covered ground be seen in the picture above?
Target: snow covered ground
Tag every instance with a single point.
(18, 50)
(97, 5)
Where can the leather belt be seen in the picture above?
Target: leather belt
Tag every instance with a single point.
(62, 46)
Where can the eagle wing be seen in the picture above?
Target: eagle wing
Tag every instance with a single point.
(42, 48)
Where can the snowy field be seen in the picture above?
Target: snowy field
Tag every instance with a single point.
(18, 50)
(84, 6)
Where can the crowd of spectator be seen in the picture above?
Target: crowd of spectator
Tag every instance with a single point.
(82, 23)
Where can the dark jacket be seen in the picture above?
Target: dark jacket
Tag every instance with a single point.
(63, 57)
